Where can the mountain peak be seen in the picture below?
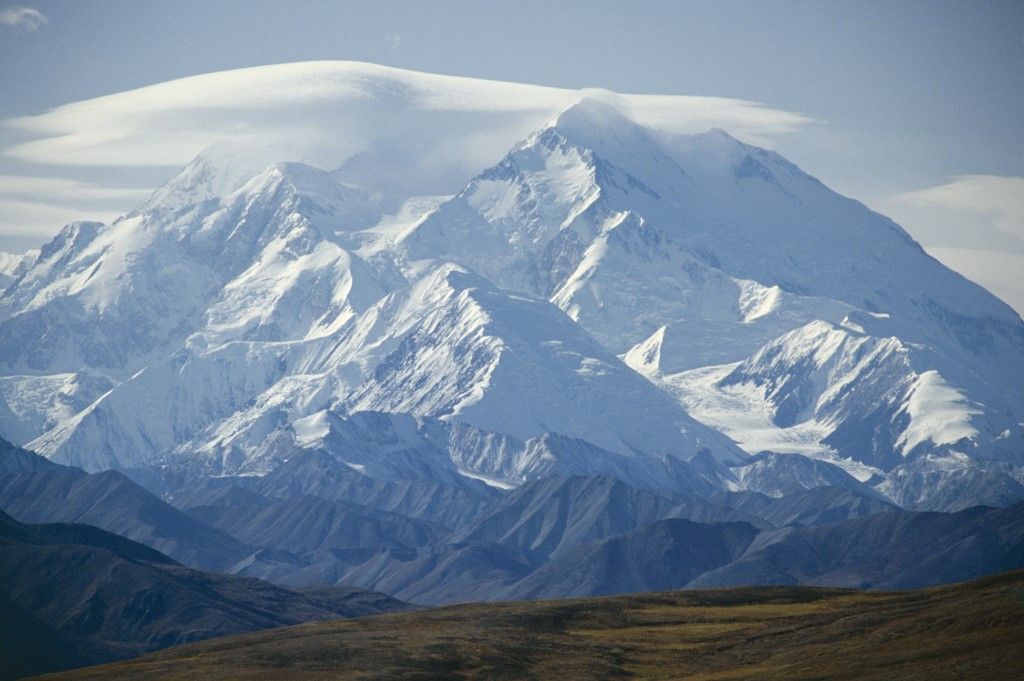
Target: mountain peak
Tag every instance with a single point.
(600, 126)
(719, 134)
(304, 179)
(216, 171)
(590, 114)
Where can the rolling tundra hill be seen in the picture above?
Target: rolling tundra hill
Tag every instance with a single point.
(970, 630)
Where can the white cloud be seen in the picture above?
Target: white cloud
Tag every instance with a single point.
(998, 271)
(33, 208)
(27, 218)
(24, 18)
(69, 191)
(999, 199)
(440, 128)
(974, 224)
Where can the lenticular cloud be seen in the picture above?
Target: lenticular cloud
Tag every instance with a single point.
(438, 129)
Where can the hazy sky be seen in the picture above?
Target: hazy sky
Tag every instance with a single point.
(914, 108)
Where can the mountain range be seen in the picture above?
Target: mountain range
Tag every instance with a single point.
(606, 299)
(556, 536)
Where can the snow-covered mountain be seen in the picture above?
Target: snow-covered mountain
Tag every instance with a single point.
(685, 254)
(280, 321)
(609, 299)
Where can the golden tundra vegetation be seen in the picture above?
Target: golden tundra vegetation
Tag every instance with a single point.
(966, 631)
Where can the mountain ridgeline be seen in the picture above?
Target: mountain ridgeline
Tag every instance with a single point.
(607, 299)
(557, 536)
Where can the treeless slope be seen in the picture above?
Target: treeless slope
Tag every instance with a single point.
(969, 630)
(72, 595)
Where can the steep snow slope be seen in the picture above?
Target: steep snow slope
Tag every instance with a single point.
(114, 297)
(450, 346)
(30, 404)
(858, 385)
(103, 297)
(281, 279)
(142, 419)
(595, 214)
(217, 171)
(14, 265)
(516, 365)
(684, 252)
(831, 391)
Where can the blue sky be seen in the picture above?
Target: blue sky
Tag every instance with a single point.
(915, 107)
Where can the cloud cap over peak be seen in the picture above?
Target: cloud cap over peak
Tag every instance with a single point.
(444, 128)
